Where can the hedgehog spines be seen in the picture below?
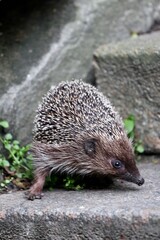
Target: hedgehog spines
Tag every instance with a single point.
(72, 108)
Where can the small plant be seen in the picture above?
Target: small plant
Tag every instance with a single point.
(15, 162)
(65, 182)
(129, 124)
(16, 166)
(134, 35)
(70, 183)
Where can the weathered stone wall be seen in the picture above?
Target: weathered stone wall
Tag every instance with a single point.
(45, 42)
(129, 74)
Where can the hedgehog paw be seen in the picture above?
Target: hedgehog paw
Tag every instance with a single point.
(34, 195)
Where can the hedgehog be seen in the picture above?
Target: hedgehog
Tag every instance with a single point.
(78, 131)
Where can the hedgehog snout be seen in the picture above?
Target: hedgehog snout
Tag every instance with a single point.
(137, 179)
(140, 181)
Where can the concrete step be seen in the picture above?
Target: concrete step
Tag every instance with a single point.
(123, 211)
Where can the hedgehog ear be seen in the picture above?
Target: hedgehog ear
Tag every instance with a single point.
(90, 146)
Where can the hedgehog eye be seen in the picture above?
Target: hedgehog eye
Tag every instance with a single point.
(117, 164)
(90, 146)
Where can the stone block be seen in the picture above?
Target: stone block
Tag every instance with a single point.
(129, 74)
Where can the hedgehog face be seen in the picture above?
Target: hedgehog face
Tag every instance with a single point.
(123, 173)
(114, 158)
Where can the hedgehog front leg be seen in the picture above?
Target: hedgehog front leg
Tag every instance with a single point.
(35, 192)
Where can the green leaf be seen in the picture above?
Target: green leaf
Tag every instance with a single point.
(16, 147)
(8, 146)
(7, 181)
(134, 34)
(5, 163)
(2, 184)
(15, 142)
(140, 148)
(12, 168)
(78, 187)
(19, 175)
(129, 125)
(4, 124)
(8, 136)
(131, 135)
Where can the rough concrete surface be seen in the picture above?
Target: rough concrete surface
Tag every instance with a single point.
(128, 73)
(123, 211)
(45, 42)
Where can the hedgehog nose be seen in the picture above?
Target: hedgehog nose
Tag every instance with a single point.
(140, 181)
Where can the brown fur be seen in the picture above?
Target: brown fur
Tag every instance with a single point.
(71, 158)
